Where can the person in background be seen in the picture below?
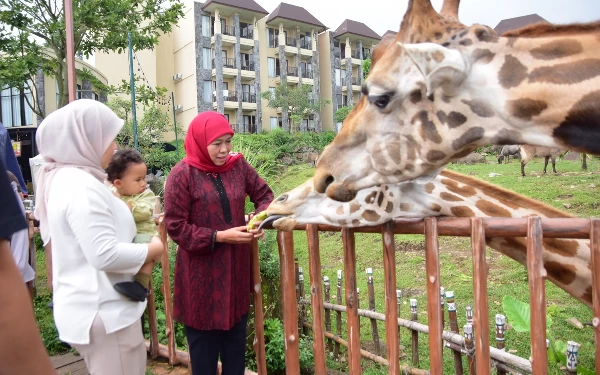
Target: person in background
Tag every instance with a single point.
(127, 174)
(7, 155)
(19, 243)
(91, 232)
(21, 347)
(204, 201)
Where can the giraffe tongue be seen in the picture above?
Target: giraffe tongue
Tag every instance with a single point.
(269, 220)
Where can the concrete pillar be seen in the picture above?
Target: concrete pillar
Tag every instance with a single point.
(40, 94)
(238, 78)
(348, 48)
(313, 40)
(359, 46)
(217, 22)
(298, 57)
(257, 87)
(255, 30)
(283, 80)
(219, 70)
(348, 82)
(281, 35)
(317, 81)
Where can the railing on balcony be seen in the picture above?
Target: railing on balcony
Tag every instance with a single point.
(248, 65)
(227, 63)
(355, 54)
(228, 30)
(366, 55)
(290, 42)
(248, 97)
(291, 71)
(233, 96)
(246, 33)
(307, 74)
(354, 81)
(305, 43)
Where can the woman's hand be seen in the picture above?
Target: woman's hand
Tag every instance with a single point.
(258, 234)
(234, 235)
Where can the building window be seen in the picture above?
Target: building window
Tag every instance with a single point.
(207, 92)
(338, 77)
(96, 97)
(274, 123)
(14, 110)
(206, 26)
(206, 58)
(272, 35)
(340, 102)
(78, 92)
(272, 91)
(271, 62)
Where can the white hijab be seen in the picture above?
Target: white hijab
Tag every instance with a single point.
(74, 136)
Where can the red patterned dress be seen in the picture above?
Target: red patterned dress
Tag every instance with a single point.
(212, 280)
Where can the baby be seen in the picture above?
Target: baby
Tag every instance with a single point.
(127, 173)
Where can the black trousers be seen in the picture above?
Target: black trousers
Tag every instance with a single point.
(207, 346)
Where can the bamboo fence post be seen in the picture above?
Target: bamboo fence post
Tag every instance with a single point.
(314, 270)
(469, 347)
(391, 321)
(338, 319)
(482, 346)
(259, 318)
(327, 286)
(434, 316)
(414, 334)
(285, 240)
(537, 292)
(371, 293)
(595, 250)
(572, 351)
(351, 301)
(458, 367)
(500, 322)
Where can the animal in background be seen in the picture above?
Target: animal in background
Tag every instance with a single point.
(528, 152)
(507, 151)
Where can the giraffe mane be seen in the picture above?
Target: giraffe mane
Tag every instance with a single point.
(543, 29)
(505, 194)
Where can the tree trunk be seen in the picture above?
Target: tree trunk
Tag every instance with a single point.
(584, 161)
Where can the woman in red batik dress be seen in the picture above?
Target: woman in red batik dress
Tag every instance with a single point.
(204, 214)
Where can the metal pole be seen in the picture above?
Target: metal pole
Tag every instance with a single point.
(175, 123)
(132, 83)
(68, 4)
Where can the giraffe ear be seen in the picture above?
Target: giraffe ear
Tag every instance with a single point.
(440, 66)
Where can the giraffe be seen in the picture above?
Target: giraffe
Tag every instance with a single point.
(449, 193)
(427, 104)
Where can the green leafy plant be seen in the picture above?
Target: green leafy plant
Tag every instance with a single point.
(341, 114)
(366, 68)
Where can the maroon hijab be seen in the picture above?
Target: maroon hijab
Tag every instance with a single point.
(205, 128)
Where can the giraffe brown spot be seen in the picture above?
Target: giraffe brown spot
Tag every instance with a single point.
(340, 210)
(406, 207)
(446, 99)
(427, 130)
(406, 188)
(371, 197)
(511, 42)
(441, 115)
(438, 35)
(342, 222)
(466, 42)
(438, 56)
(355, 222)
(479, 108)
(415, 96)
(526, 108)
(462, 153)
(483, 55)
(409, 167)
(581, 128)
(413, 148)
(507, 137)
(429, 187)
(435, 207)
(512, 72)
(567, 73)
(434, 156)
(566, 248)
(557, 49)
(446, 44)
(465, 191)
(354, 207)
(370, 215)
(562, 272)
(492, 209)
(380, 197)
(455, 119)
(587, 296)
(470, 136)
(462, 211)
(485, 35)
(450, 197)
(389, 208)
(463, 33)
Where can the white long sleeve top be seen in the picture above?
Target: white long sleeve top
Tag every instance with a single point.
(91, 233)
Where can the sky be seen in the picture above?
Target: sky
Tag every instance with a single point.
(383, 15)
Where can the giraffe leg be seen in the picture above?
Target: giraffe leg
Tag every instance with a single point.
(546, 158)
(523, 164)
(554, 164)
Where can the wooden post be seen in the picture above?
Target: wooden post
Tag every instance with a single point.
(285, 241)
(470, 348)
(595, 252)
(414, 334)
(434, 317)
(327, 286)
(371, 293)
(482, 345)
(297, 278)
(391, 321)
(152, 325)
(398, 305)
(259, 319)
(338, 319)
(442, 295)
(500, 322)
(351, 301)
(469, 312)
(316, 297)
(303, 308)
(537, 292)
(458, 367)
(572, 349)
(166, 289)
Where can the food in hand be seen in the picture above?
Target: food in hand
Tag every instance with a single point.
(252, 224)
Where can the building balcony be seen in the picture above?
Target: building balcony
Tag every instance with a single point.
(231, 100)
(292, 49)
(355, 82)
(354, 56)
(228, 37)
(230, 71)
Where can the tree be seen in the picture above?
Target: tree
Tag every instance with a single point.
(366, 67)
(298, 101)
(341, 114)
(33, 36)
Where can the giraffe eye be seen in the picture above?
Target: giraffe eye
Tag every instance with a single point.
(380, 101)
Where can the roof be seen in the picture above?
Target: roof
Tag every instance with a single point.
(356, 28)
(294, 13)
(250, 5)
(517, 23)
(389, 32)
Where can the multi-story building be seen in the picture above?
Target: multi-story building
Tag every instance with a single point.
(224, 53)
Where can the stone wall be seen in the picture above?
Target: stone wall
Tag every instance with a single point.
(283, 81)
(317, 83)
(201, 73)
(257, 88)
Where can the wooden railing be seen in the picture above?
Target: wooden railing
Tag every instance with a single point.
(534, 228)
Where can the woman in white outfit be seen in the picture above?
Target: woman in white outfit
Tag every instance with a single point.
(92, 233)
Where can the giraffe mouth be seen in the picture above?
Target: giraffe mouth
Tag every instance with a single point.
(271, 220)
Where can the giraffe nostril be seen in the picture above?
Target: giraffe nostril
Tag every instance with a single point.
(282, 198)
(329, 180)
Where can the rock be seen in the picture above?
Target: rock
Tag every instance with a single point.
(575, 322)
(472, 158)
(592, 186)
(494, 174)
(567, 205)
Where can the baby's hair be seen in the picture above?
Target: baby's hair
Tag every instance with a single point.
(122, 160)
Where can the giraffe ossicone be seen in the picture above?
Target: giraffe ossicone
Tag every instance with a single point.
(447, 194)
